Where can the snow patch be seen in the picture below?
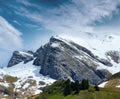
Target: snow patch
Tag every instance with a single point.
(118, 86)
(4, 84)
(25, 53)
(37, 92)
(26, 85)
(55, 45)
(102, 85)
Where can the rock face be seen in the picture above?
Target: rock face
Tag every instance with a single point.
(62, 59)
(114, 55)
(19, 56)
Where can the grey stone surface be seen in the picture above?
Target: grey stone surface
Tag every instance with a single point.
(62, 59)
(114, 55)
(69, 60)
(18, 57)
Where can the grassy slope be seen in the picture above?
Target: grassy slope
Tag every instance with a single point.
(83, 95)
(113, 81)
(55, 91)
(11, 79)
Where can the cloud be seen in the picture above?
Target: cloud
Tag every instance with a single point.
(28, 4)
(16, 22)
(96, 10)
(73, 17)
(25, 2)
(9, 36)
(10, 40)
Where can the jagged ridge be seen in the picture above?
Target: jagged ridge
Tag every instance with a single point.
(63, 59)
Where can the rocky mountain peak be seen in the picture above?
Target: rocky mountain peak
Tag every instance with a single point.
(20, 56)
(62, 59)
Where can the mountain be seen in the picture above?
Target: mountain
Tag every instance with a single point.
(61, 59)
(20, 56)
(57, 91)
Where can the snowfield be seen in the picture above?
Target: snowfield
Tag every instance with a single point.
(25, 72)
(98, 44)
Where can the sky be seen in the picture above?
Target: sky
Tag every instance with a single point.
(28, 24)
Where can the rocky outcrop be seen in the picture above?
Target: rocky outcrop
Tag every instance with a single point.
(103, 61)
(61, 59)
(19, 56)
(114, 55)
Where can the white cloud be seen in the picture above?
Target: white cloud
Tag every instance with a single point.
(9, 36)
(16, 22)
(27, 3)
(10, 40)
(74, 17)
(96, 10)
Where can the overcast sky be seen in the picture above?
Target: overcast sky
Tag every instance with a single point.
(26, 24)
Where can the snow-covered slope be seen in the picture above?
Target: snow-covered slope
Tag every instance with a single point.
(26, 70)
(27, 74)
(21, 64)
(98, 44)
